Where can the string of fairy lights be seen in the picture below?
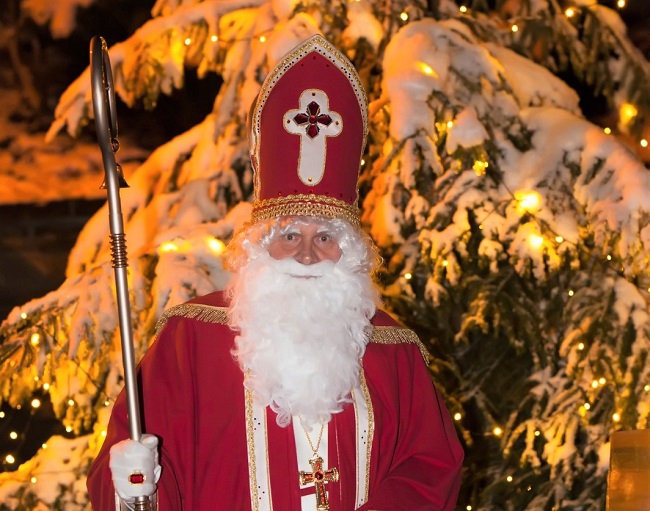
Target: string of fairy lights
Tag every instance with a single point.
(528, 202)
(214, 245)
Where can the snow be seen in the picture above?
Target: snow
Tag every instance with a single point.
(59, 15)
(467, 131)
(65, 169)
(179, 210)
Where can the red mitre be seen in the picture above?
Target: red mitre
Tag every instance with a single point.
(308, 132)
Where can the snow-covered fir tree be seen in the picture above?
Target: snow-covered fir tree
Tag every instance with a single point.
(515, 232)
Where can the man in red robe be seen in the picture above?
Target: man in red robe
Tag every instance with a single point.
(290, 391)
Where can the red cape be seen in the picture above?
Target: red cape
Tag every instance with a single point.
(192, 395)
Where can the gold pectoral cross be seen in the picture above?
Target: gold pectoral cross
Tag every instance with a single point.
(318, 477)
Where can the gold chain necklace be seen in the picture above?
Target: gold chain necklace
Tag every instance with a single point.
(320, 436)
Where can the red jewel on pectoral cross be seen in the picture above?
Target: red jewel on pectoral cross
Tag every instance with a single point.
(312, 119)
(318, 477)
(313, 122)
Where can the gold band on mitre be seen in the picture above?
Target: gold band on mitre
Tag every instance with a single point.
(305, 205)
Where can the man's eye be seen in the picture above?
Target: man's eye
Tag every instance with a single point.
(290, 236)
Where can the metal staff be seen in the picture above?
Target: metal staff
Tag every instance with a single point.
(103, 94)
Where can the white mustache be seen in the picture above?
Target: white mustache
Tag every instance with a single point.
(293, 268)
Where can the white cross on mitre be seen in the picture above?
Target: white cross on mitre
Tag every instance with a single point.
(314, 122)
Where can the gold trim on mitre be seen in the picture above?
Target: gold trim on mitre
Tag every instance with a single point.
(305, 205)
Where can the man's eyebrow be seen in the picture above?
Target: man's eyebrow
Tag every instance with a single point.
(289, 228)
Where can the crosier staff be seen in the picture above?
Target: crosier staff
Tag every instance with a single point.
(103, 97)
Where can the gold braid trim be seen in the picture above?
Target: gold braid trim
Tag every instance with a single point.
(212, 314)
(397, 335)
(305, 205)
(206, 313)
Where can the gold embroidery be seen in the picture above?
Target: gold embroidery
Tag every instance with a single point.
(206, 313)
(305, 205)
(330, 52)
(371, 428)
(250, 440)
(397, 335)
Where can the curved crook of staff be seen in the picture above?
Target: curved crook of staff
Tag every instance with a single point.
(103, 97)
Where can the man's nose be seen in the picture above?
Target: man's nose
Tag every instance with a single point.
(306, 254)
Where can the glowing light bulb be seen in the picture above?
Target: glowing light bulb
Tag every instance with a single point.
(608, 131)
(647, 388)
(514, 28)
(457, 416)
(2, 415)
(602, 381)
(480, 167)
(586, 406)
(34, 339)
(44, 446)
(70, 402)
(620, 4)
(509, 479)
(363, 162)
(426, 69)
(537, 432)
(450, 124)
(536, 241)
(627, 113)
(644, 142)
(46, 386)
(36, 403)
(609, 257)
(33, 480)
(497, 431)
(188, 41)
(217, 246)
(169, 246)
(559, 239)
(408, 276)
(569, 13)
(104, 432)
(571, 293)
(23, 315)
(262, 39)
(214, 38)
(594, 384)
(10, 459)
(462, 9)
(581, 346)
(528, 201)
(616, 417)
(13, 435)
(404, 16)
(445, 263)
(68, 429)
(106, 403)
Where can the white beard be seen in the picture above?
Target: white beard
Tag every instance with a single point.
(301, 340)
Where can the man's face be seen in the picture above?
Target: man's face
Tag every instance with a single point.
(308, 242)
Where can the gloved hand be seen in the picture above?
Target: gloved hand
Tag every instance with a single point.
(135, 469)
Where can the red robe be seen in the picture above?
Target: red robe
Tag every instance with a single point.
(193, 400)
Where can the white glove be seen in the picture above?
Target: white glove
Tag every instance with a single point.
(135, 469)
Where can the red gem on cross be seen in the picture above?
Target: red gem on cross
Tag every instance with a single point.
(312, 118)
(136, 478)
